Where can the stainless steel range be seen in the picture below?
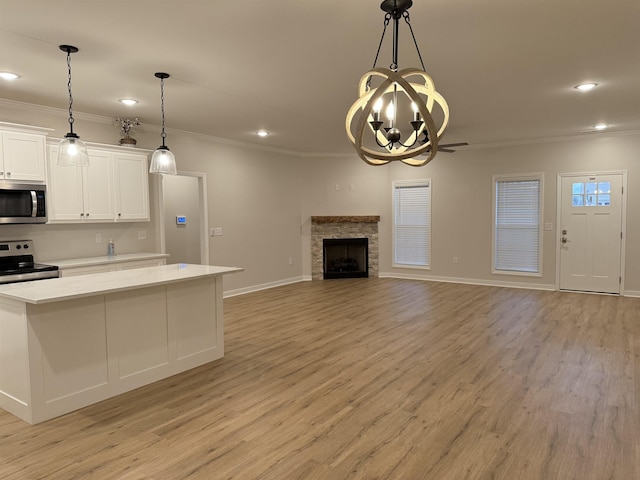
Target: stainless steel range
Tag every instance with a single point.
(17, 265)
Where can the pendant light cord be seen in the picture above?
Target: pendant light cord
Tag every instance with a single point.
(163, 135)
(70, 94)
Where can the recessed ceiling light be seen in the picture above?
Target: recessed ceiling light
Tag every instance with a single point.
(9, 76)
(128, 101)
(585, 87)
(601, 126)
(262, 133)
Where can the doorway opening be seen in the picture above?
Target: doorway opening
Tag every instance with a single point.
(183, 217)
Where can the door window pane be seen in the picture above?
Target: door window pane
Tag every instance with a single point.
(591, 194)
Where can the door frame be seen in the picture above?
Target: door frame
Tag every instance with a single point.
(623, 213)
(204, 216)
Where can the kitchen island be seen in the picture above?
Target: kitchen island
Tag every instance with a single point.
(66, 343)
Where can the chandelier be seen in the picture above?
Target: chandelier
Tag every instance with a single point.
(416, 113)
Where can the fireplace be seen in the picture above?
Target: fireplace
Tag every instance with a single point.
(345, 257)
(343, 227)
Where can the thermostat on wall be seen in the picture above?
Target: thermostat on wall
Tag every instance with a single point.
(181, 220)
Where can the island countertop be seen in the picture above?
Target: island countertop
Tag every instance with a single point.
(58, 289)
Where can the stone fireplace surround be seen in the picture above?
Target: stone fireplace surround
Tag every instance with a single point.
(365, 226)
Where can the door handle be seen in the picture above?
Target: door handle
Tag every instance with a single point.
(563, 239)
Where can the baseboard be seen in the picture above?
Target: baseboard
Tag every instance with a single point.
(264, 286)
(468, 281)
(409, 276)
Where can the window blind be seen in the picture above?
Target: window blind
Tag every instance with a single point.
(517, 225)
(412, 223)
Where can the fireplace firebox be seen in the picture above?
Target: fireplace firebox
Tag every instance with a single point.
(345, 258)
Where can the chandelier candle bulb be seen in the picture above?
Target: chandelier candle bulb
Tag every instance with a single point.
(416, 112)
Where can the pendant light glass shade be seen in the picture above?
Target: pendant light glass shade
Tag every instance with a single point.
(71, 150)
(162, 160)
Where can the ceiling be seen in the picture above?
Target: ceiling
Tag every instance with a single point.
(507, 68)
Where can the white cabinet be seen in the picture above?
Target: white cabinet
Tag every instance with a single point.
(22, 155)
(140, 264)
(114, 187)
(75, 271)
(131, 187)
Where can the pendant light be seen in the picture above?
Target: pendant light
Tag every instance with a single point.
(411, 99)
(163, 160)
(71, 150)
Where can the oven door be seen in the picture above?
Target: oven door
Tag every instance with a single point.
(20, 203)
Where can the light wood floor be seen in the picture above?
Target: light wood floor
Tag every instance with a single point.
(373, 379)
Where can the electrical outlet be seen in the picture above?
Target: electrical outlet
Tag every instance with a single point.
(142, 235)
(215, 232)
(337, 186)
(98, 238)
(290, 261)
(455, 259)
(352, 186)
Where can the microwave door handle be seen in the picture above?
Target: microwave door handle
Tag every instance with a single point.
(34, 203)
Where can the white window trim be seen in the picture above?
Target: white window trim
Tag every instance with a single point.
(517, 177)
(411, 183)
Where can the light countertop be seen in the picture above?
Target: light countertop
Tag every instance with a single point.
(104, 260)
(67, 288)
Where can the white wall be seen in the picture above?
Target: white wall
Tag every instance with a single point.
(263, 201)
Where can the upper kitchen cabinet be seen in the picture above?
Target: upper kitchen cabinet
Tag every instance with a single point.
(22, 153)
(131, 187)
(114, 187)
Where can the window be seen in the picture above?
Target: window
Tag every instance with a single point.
(517, 231)
(412, 224)
(591, 194)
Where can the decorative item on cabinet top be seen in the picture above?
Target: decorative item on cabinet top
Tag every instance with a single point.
(126, 125)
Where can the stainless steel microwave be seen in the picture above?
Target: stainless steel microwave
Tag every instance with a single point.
(23, 203)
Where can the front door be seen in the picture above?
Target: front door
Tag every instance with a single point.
(591, 232)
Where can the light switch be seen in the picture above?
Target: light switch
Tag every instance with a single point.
(548, 226)
(181, 220)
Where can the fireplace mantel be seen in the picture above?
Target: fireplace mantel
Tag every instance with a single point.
(346, 219)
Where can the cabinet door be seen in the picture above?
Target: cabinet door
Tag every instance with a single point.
(155, 262)
(131, 187)
(23, 155)
(75, 271)
(64, 191)
(97, 187)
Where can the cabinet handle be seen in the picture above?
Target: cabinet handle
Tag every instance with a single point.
(119, 214)
(8, 174)
(82, 214)
(87, 214)
(1, 173)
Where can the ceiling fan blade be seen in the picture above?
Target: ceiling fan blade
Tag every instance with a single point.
(446, 150)
(461, 144)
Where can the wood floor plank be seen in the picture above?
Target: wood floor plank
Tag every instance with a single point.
(373, 379)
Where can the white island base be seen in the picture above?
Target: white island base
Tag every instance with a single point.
(67, 343)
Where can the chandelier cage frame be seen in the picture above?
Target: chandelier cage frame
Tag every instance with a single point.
(416, 85)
